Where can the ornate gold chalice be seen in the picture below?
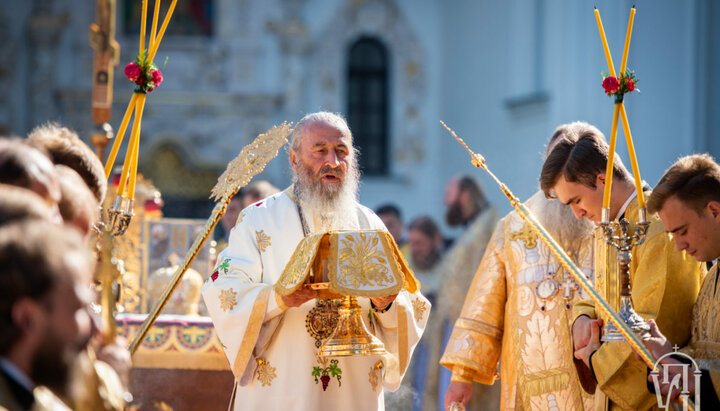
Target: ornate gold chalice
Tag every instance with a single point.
(345, 265)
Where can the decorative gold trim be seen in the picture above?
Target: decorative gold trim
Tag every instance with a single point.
(480, 327)
(251, 332)
(402, 337)
(297, 270)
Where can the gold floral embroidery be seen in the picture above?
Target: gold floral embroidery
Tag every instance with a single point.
(228, 299)
(264, 372)
(362, 263)
(296, 270)
(419, 308)
(240, 218)
(525, 234)
(375, 374)
(263, 240)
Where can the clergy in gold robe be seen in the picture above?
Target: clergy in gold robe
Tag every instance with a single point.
(518, 312)
(664, 281)
(687, 199)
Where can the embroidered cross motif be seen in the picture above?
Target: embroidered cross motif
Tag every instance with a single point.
(375, 375)
(228, 299)
(264, 372)
(263, 240)
(419, 308)
(527, 235)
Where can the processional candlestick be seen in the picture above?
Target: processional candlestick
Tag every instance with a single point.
(617, 234)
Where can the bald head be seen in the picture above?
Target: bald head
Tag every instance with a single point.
(320, 118)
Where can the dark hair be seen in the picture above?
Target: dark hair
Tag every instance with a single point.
(65, 147)
(426, 225)
(477, 197)
(33, 261)
(389, 209)
(579, 157)
(694, 180)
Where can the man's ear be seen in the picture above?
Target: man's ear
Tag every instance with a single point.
(25, 315)
(600, 180)
(293, 158)
(714, 208)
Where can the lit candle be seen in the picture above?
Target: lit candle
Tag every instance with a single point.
(628, 34)
(119, 137)
(611, 158)
(143, 19)
(162, 30)
(633, 158)
(604, 42)
(136, 149)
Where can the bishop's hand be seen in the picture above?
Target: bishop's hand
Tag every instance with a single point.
(300, 297)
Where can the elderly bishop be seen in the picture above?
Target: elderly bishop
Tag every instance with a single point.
(269, 340)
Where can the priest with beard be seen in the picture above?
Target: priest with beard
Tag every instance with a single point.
(271, 353)
(518, 311)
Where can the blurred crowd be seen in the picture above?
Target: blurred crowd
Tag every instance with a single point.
(54, 353)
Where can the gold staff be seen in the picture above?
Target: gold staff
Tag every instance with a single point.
(556, 249)
(250, 162)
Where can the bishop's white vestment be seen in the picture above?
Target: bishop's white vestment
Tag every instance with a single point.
(273, 357)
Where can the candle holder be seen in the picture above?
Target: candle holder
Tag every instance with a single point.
(120, 215)
(617, 235)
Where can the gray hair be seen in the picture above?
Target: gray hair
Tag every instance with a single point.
(334, 119)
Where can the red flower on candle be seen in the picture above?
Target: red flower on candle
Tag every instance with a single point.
(133, 71)
(630, 84)
(611, 85)
(618, 87)
(144, 73)
(157, 77)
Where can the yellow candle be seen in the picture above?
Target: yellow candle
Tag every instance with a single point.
(119, 137)
(153, 31)
(605, 43)
(162, 30)
(136, 131)
(633, 158)
(143, 19)
(129, 153)
(611, 158)
(628, 34)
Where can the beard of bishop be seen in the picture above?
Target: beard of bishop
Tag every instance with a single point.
(559, 220)
(328, 203)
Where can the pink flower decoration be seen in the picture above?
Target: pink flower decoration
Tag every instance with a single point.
(133, 71)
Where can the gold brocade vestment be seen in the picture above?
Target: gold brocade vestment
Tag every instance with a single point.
(665, 283)
(503, 317)
(704, 345)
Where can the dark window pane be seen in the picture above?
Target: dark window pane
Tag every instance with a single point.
(367, 104)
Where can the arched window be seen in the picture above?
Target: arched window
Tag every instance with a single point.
(367, 104)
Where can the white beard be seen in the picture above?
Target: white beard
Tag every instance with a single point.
(324, 206)
(559, 220)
